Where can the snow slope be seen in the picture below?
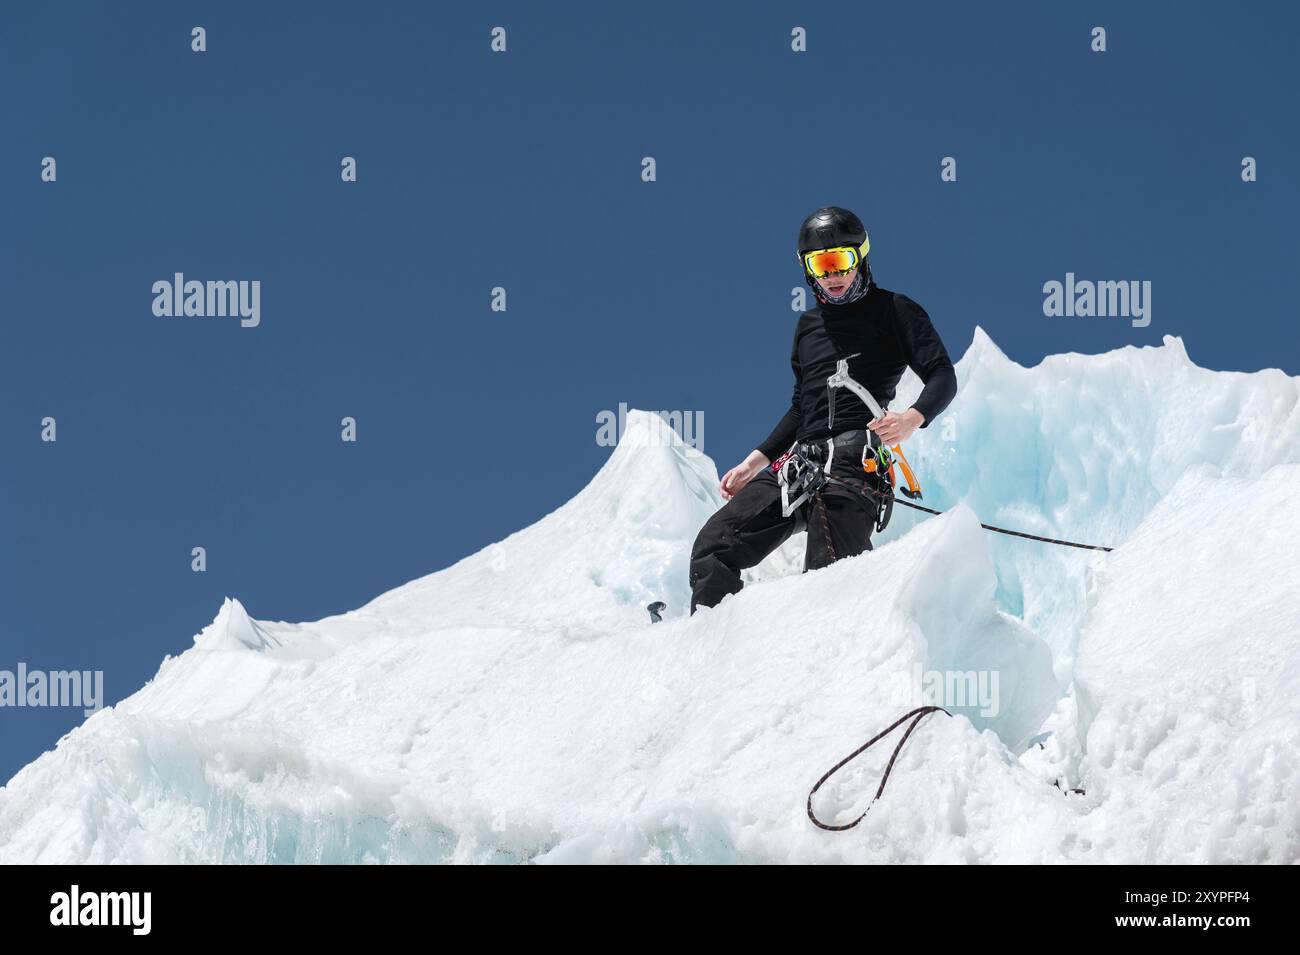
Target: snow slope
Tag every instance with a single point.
(517, 706)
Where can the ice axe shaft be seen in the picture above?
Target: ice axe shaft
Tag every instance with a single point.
(842, 379)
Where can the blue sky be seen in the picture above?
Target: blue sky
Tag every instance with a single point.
(522, 170)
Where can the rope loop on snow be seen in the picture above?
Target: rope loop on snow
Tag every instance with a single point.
(915, 716)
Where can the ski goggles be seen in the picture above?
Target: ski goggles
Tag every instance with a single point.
(824, 262)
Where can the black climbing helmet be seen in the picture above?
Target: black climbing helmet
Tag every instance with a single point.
(828, 227)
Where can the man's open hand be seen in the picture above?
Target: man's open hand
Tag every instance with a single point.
(894, 427)
(742, 474)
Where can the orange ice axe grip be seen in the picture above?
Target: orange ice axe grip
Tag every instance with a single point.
(913, 489)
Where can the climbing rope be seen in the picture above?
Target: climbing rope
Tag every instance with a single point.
(889, 496)
(915, 716)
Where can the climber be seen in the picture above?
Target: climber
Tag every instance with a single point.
(880, 334)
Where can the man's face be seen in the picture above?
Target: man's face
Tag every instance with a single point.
(835, 283)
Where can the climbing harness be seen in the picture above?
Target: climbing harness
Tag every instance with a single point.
(915, 716)
(803, 471)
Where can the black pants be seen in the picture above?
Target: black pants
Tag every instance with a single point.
(747, 528)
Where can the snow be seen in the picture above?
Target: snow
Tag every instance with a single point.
(1202, 759)
(519, 706)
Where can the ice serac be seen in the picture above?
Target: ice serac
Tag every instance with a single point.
(994, 670)
(1083, 447)
(518, 705)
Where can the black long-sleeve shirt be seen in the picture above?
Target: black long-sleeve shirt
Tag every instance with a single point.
(888, 332)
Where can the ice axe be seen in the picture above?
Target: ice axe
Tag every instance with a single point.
(842, 379)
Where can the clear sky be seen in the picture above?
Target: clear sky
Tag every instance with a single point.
(523, 170)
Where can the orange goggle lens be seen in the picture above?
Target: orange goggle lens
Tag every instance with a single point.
(826, 261)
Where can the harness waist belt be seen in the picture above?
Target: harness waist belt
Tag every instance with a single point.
(859, 436)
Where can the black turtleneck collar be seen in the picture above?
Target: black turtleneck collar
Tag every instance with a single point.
(847, 309)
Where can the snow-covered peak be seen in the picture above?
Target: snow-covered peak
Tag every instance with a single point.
(982, 350)
(234, 629)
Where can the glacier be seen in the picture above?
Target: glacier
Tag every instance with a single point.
(518, 706)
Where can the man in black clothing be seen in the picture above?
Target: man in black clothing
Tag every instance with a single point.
(880, 333)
